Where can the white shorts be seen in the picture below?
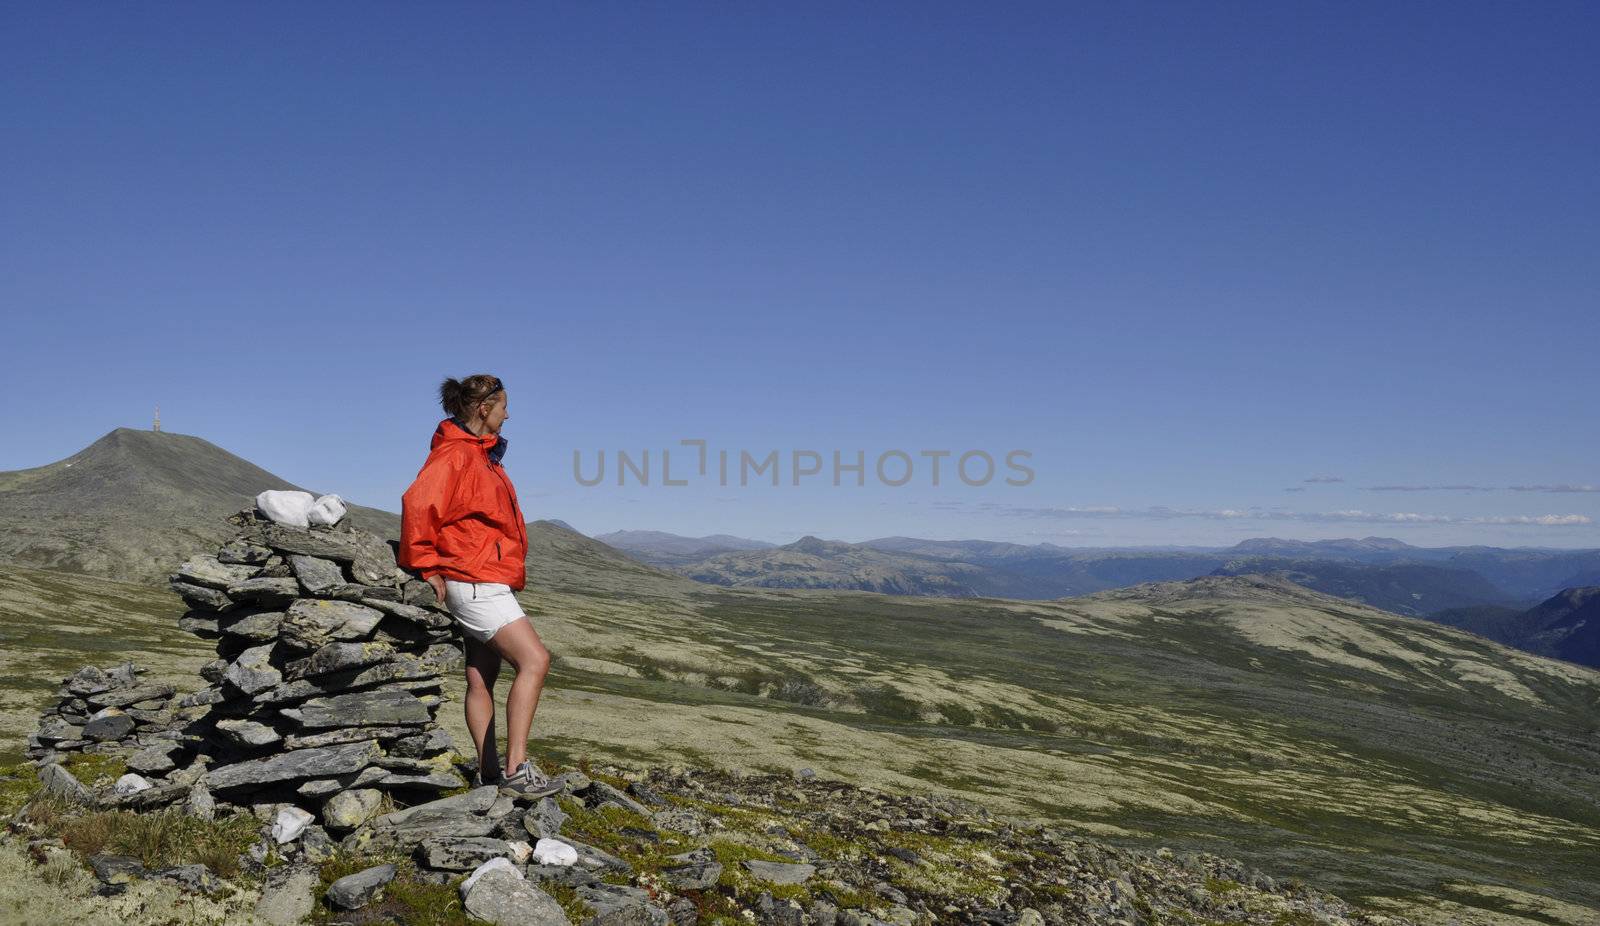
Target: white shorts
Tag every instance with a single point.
(481, 608)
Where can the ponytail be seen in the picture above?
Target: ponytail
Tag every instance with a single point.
(458, 397)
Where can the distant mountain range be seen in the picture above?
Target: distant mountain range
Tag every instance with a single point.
(659, 548)
(1381, 571)
(1470, 587)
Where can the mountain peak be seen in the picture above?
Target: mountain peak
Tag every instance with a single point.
(811, 543)
(132, 505)
(1573, 598)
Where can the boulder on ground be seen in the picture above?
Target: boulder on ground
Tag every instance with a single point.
(354, 891)
(507, 899)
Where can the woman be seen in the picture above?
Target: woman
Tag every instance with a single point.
(461, 529)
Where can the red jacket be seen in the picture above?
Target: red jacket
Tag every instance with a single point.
(460, 517)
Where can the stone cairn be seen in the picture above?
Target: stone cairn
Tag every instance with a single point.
(321, 701)
(105, 710)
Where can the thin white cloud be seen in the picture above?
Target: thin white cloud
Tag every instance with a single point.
(1406, 488)
(1543, 520)
(1324, 479)
(1345, 516)
(1564, 488)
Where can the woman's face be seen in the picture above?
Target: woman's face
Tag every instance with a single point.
(494, 412)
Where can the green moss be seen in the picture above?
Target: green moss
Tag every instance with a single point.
(94, 768)
(1223, 886)
(845, 897)
(604, 827)
(730, 853)
(950, 867)
(615, 781)
(567, 896)
(407, 900)
(425, 904)
(737, 881)
(798, 893)
(830, 846)
(602, 822)
(344, 863)
(18, 783)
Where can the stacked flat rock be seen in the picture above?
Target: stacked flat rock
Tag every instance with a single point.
(330, 663)
(107, 710)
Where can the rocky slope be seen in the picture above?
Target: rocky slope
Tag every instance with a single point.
(670, 845)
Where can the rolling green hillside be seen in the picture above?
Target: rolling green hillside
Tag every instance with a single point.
(1391, 761)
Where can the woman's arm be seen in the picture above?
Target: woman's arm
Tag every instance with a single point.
(422, 510)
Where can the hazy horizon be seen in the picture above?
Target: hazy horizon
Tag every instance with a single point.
(786, 537)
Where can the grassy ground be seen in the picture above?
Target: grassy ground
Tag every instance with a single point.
(1386, 760)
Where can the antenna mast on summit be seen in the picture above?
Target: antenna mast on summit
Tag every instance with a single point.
(157, 425)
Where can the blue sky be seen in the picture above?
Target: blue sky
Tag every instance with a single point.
(1187, 256)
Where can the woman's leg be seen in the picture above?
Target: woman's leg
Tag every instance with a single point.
(521, 646)
(483, 666)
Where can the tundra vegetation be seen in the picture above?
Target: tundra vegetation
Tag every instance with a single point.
(1403, 766)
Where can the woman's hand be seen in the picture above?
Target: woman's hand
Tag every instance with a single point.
(437, 581)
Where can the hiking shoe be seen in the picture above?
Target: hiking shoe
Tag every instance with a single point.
(528, 782)
(495, 777)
